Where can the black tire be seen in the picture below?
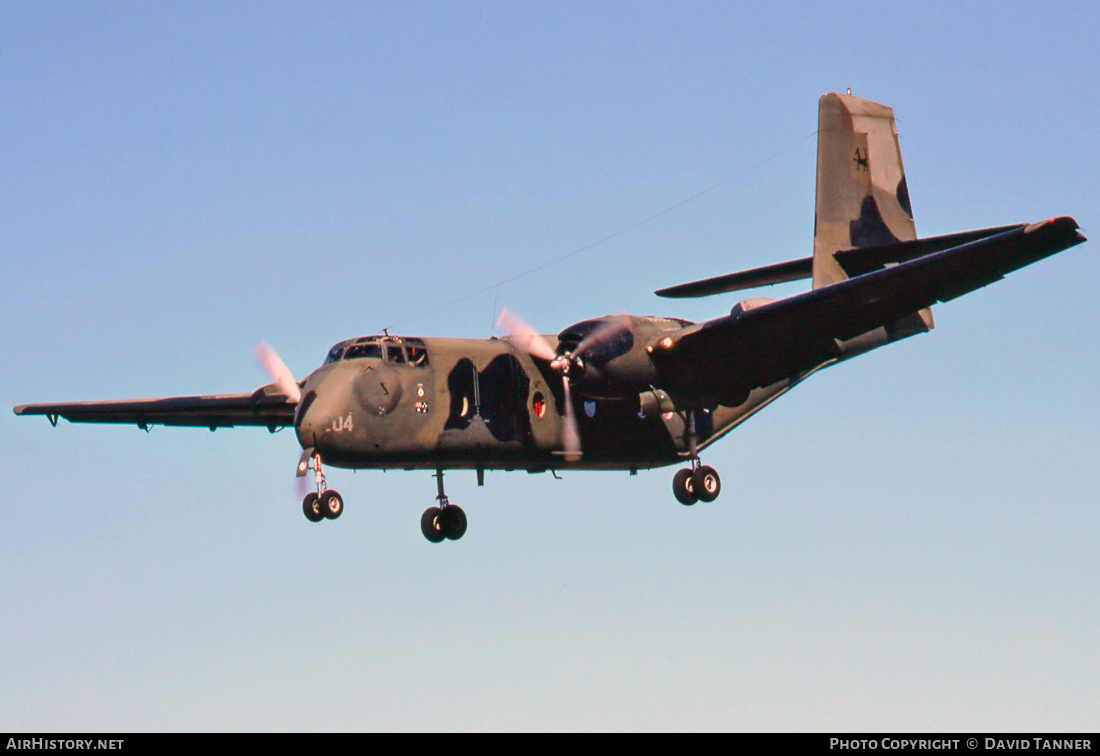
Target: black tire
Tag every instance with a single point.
(311, 506)
(706, 484)
(454, 522)
(682, 488)
(431, 524)
(331, 504)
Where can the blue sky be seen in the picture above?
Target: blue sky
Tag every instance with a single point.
(905, 542)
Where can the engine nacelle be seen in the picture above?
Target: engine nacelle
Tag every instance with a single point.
(618, 366)
(655, 402)
(745, 305)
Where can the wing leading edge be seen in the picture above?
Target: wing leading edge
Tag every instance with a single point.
(266, 407)
(728, 357)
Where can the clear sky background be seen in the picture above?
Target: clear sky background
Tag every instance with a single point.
(905, 542)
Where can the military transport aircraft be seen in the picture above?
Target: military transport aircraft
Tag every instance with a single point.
(625, 392)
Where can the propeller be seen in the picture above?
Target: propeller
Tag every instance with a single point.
(611, 328)
(284, 379)
(570, 435)
(278, 371)
(525, 337)
(527, 340)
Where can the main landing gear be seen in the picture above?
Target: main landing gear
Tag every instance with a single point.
(325, 503)
(699, 482)
(447, 521)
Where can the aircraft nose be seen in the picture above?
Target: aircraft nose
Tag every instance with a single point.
(305, 422)
(322, 411)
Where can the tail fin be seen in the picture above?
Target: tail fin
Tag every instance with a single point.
(862, 197)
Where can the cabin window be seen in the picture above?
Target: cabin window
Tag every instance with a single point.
(418, 355)
(334, 354)
(462, 386)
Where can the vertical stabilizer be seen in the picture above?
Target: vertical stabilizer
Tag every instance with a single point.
(862, 197)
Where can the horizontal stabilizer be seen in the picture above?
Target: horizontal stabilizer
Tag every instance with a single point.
(793, 270)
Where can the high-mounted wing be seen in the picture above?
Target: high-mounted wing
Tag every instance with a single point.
(728, 357)
(266, 407)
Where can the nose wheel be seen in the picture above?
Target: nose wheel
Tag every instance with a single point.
(324, 503)
(444, 522)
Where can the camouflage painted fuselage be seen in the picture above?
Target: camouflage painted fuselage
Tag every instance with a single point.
(472, 404)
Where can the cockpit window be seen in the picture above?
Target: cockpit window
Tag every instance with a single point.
(418, 355)
(361, 351)
(395, 350)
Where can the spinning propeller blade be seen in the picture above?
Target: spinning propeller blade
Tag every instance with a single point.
(570, 436)
(608, 330)
(278, 371)
(530, 342)
(525, 337)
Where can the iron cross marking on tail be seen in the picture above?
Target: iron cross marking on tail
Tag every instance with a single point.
(862, 164)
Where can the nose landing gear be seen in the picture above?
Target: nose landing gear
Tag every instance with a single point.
(447, 521)
(324, 503)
